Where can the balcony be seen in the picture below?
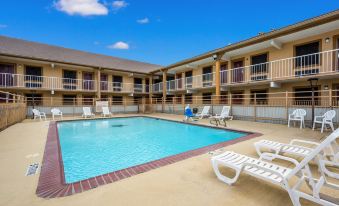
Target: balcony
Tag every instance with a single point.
(322, 63)
(119, 87)
(8, 80)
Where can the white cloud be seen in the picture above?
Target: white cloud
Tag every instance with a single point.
(3, 26)
(119, 45)
(81, 7)
(143, 21)
(119, 4)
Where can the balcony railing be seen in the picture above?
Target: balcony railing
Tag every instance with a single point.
(322, 63)
(120, 87)
(8, 80)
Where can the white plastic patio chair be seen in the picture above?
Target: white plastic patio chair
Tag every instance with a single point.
(224, 115)
(297, 115)
(265, 170)
(39, 114)
(326, 119)
(105, 111)
(204, 113)
(87, 112)
(56, 112)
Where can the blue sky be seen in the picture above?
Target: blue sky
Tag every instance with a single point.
(155, 31)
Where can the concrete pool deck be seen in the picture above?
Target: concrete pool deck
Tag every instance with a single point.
(188, 182)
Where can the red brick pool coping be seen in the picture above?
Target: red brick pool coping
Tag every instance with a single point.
(52, 181)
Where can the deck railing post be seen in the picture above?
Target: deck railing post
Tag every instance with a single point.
(286, 104)
(255, 107)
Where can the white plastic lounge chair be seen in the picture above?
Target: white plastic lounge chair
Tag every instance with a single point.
(224, 115)
(326, 119)
(56, 112)
(87, 112)
(105, 111)
(279, 175)
(39, 114)
(296, 147)
(297, 115)
(204, 112)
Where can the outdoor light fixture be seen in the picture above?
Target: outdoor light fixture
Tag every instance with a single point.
(326, 87)
(327, 40)
(215, 57)
(313, 82)
(52, 92)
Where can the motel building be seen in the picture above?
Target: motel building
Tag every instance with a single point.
(272, 68)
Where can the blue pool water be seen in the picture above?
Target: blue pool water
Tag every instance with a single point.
(95, 147)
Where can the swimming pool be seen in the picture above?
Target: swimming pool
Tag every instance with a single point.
(95, 147)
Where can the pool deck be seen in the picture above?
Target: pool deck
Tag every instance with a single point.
(187, 182)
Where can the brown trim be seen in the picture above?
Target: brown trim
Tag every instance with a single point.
(52, 180)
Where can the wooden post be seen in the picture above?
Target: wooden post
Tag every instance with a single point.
(286, 104)
(164, 89)
(330, 98)
(99, 84)
(150, 89)
(255, 106)
(217, 80)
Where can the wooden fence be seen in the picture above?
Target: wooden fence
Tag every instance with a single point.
(12, 109)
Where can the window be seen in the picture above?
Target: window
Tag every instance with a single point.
(188, 99)
(306, 54)
(260, 96)
(147, 85)
(104, 97)
(178, 99)
(189, 79)
(303, 96)
(117, 100)
(69, 81)
(117, 83)
(137, 85)
(206, 98)
(207, 76)
(238, 72)
(6, 75)
(137, 99)
(224, 98)
(33, 77)
(104, 82)
(237, 97)
(88, 100)
(259, 64)
(34, 99)
(33, 71)
(70, 74)
(69, 99)
(169, 98)
(223, 73)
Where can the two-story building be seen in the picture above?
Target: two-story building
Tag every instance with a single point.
(252, 70)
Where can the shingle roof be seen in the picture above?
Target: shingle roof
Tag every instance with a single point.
(33, 50)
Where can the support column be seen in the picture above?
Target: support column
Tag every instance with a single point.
(150, 89)
(98, 84)
(217, 80)
(164, 89)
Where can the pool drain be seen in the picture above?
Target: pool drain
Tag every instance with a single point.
(32, 169)
(118, 125)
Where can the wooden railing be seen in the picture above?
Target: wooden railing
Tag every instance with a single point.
(12, 109)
